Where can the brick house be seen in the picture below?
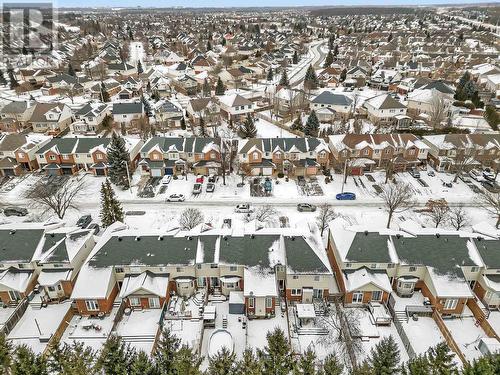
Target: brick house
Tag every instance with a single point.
(367, 152)
(17, 153)
(290, 156)
(15, 116)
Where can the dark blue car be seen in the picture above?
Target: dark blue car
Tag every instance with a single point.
(345, 196)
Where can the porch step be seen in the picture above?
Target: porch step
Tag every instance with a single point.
(312, 331)
(117, 303)
(224, 321)
(400, 316)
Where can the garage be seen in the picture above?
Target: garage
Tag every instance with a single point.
(169, 171)
(156, 172)
(236, 303)
(267, 171)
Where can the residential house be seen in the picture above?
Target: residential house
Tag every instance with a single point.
(329, 106)
(128, 115)
(235, 107)
(51, 118)
(15, 116)
(89, 118)
(17, 153)
(384, 110)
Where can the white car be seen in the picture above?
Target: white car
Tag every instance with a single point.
(166, 179)
(176, 198)
(476, 175)
(488, 174)
(243, 208)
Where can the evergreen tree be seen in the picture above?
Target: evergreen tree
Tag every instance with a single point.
(416, 366)
(186, 362)
(118, 161)
(310, 79)
(3, 81)
(306, 363)
(206, 88)
(142, 365)
(223, 363)
(75, 359)
(297, 124)
(168, 346)
(104, 93)
(223, 41)
(183, 123)
(492, 117)
(277, 356)
(336, 50)
(219, 88)
(5, 354)
(203, 128)
(270, 74)
(209, 46)
(331, 40)
(441, 360)
(71, 71)
(332, 366)
(25, 362)
(295, 58)
(343, 75)
(115, 357)
(111, 208)
(12, 79)
(140, 70)
(284, 79)
(389, 38)
(249, 364)
(385, 357)
(130, 34)
(487, 365)
(248, 129)
(328, 59)
(312, 125)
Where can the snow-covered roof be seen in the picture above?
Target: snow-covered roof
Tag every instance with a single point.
(259, 282)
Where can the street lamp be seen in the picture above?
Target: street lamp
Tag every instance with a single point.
(128, 177)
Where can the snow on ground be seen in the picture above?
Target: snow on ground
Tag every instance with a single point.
(494, 320)
(266, 129)
(93, 332)
(258, 329)
(139, 328)
(37, 326)
(422, 333)
(136, 53)
(384, 331)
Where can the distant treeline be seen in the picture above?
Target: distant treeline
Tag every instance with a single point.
(346, 11)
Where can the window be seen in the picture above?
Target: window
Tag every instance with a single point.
(348, 265)
(233, 268)
(316, 278)
(450, 304)
(229, 285)
(52, 157)
(154, 302)
(134, 301)
(277, 155)
(52, 289)
(269, 302)
(14, 295)
(65, 157)
(251, 302)
(412, 269)
(99, 157)
(295, 277)
(367, 152)
(255, 155)
(92, 305)
(377, 295)
(20, 154)
(214, 266)
(412, 152)
(390, 265)
(212, 155)
(474, 269)
(179, 269)
(119, 270)
(373, 265)
(317, 293)
(295, 292)
(357, 297)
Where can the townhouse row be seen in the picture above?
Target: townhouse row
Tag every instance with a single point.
(159, 156)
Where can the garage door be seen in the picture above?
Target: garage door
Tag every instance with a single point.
(356, 171)
(169, 171)
(156, 172)
(100, 172)
(255, 171)
(267, 171)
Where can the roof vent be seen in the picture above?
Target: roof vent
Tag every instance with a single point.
(119, 238)
(438, 235)
(479, 238)
(292, 238)
(13, 231)
(160, 238)
(398, 236)
(253, 235)
(189, 238)
(52, 235)
(225, 238)
(366, 233)
(138, 238)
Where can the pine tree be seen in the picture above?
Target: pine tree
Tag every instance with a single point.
(331, 40)
(297, 124)
(270, 74)
(306, 363)
(312, 125)
(203, 128)
(209, 46)
(168, 346)
(277, 356)
(328, 59)
(332, 365)
(441, 359)
(118, 161)
(492, 117)
(248, 129)
(295, 58)
(219, 88)
(183, 123)
(336, 50)
(111, 208)
(140, 70)
(186, 362)
(75, 359)
(385, 357)
(71, 71)
(206, 88)
(3, 81)
(25, 362)
(416, 366)
(249, 364)
(223, 363)
(284, 79)
(487, 365)
(104, 93)
(310, 79)
(115, 357)
(5, 354)
(343, 75)
(12, 79)
(142, 365)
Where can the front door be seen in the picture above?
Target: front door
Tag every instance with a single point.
(357, 297)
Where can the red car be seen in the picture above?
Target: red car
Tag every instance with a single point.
(199, 179)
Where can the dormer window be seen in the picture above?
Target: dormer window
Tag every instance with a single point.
(255, 155)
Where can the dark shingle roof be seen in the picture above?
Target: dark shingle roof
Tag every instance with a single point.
(489, 251)
(301, 258)
(19, 245)
(369, 247)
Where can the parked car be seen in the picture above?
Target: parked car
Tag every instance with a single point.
(243, 208)
(414, 173)
(199, 179)
(301, 181)
(306, 207)
(210, 187)
(488, 183)
(197, 188)
(176, 198)
(345, 196)
(84, 221)
(166, 179)
(476, 175)
(465, 178)
(447, 184)
(95, 227)
(212, 178)
(15, 211)
(488, 174)
(431, 173)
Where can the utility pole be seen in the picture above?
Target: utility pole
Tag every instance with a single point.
(344, 178)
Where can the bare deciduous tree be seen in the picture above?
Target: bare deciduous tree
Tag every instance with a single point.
(462, 160)
(438, 110)
(397, 198)
(266, 213)
(325, 215)
(458, 217)
(491, 203)
(437, 210)
(190, 218)
(55, 197)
